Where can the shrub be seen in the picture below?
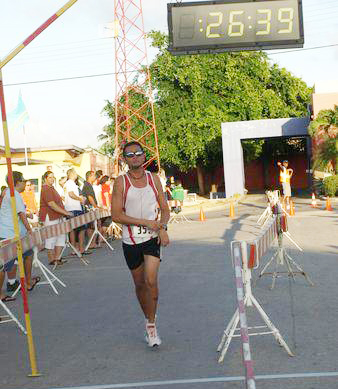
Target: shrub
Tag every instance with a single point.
(331, 185)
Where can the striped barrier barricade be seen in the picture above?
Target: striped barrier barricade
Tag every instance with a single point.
(245, 298)
(244, 330)
(113, 229)
(273, 199)
(8, 247)
(9, 316)
(99, 214)
(49, 276)
(281, 257)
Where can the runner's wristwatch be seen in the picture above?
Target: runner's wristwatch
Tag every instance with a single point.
(164, 227)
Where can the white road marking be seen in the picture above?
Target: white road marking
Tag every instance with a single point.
(203, 380)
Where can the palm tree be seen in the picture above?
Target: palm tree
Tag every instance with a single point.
(324, 132)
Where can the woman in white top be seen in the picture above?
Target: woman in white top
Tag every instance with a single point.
(61, 188)
(73, 203)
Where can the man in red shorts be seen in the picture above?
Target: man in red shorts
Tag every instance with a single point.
(137, 196)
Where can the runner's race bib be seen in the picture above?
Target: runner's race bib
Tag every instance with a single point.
(141, 231)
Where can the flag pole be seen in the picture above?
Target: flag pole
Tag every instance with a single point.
(25, 140)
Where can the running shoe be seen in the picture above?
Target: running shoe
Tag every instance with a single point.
(152, 336)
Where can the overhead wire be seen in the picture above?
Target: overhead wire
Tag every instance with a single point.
(80, 54)
(69, 78)
(62, 58)
(109, 39)
(135, 71)
(64, 51)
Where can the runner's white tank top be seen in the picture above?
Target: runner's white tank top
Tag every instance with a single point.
(140, 203)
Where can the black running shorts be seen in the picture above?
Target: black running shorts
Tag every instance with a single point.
(134, 253)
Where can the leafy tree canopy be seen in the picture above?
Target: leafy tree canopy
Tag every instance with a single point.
(195, 94)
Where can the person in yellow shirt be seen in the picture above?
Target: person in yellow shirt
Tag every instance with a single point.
(285, 175)
(28, 196)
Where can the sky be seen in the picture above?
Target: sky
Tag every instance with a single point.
(65, 112)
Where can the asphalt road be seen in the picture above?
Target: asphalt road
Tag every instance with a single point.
(92, 334)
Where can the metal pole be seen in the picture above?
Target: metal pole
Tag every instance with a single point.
(31, 348)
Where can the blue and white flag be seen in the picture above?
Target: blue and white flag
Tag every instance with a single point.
(18, 117)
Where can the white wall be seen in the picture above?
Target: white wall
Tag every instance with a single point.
(234, 132)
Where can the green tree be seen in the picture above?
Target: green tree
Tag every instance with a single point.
(195, 94)
(324, 132)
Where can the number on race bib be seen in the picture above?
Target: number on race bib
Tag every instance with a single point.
(141, 231)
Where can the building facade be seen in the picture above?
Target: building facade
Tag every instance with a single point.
(58, 159)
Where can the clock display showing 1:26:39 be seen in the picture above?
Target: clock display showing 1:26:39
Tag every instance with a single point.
(236, 22)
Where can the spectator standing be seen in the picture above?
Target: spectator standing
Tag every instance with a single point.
(91, 201)
(52, 212)
(106, 202)
(61, 188)
(88, 190)
(163, 180)
(7, 232)
(97, 187)
(73, 203)
(285, 175)
(105, 191)
(28, 196)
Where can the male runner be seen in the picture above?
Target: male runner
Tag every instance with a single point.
(137, 195)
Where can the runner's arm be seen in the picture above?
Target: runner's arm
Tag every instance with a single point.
(165, 213)
(117, 213)
(163, 237)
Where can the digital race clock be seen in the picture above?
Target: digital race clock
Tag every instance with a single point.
(216, 26)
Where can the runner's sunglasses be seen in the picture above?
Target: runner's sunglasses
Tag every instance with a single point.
(131, 154)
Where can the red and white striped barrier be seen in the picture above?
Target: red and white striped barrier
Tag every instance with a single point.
(8, 249)
(261, 244)
(245, 298)
(264, 240)
(248, 364)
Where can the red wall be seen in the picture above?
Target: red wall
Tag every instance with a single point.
(254, 173)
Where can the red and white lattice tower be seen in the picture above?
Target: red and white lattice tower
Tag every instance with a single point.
(134, 107)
